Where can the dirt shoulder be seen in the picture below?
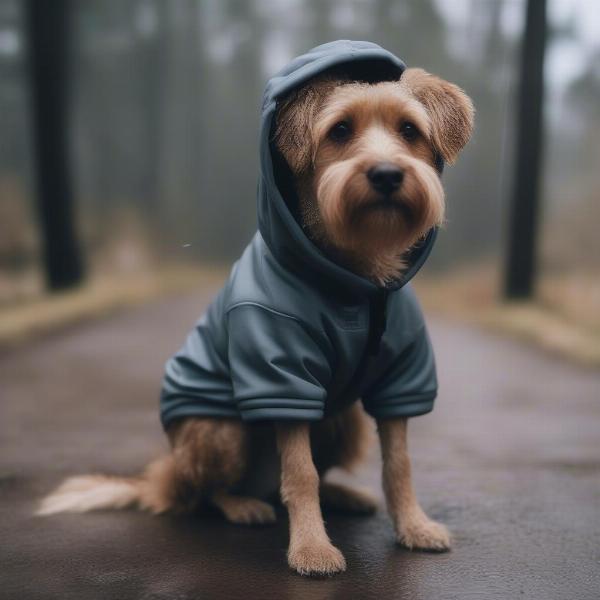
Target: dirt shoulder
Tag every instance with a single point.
(100, 297)
(566, 326)
(468, 296)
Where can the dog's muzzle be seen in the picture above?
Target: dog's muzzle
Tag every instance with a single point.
(385, 178)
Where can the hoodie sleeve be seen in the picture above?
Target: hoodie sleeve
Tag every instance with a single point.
(409, 387)
(278, 370)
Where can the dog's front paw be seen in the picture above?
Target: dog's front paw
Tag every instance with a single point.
(320, 558)
(424, 534)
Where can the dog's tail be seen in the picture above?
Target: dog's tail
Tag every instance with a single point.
(153, 491)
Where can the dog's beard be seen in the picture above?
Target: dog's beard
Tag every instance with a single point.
(356, 219)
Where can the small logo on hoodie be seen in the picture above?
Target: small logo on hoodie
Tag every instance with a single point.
(351, 317)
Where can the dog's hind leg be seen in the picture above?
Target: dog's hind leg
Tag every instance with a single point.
(343, 441)
(243, 509)
(341, 498)
(211, 458)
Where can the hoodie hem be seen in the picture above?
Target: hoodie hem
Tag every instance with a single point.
(180, 412)
(282, 414)
(411, 406)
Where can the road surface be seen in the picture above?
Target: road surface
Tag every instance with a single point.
(509, 459)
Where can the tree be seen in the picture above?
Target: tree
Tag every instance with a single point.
(49, 37)
(521, 261)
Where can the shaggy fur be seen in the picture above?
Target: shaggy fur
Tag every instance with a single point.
(341, 212)
(213, 461)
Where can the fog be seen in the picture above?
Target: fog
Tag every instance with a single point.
(164, 121)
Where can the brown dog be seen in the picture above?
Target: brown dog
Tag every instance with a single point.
(363, 158)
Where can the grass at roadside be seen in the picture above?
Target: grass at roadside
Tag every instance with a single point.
(102, 296)
(564, 320)
(565, 325)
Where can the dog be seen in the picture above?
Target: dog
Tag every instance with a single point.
(350, 198)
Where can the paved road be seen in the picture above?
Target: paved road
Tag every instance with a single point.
(509, 459)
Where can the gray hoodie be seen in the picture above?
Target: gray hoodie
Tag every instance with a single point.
(293, 335)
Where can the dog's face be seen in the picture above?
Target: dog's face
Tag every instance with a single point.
(363, 156)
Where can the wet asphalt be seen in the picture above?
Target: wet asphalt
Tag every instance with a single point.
(509, 460)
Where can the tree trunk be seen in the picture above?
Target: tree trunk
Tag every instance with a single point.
(49, 36)
(521, 262)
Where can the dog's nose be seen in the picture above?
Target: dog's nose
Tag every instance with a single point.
(385, 177)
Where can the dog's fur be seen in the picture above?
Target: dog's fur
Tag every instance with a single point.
(331, 133)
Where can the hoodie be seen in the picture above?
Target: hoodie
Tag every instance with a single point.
(292, 334)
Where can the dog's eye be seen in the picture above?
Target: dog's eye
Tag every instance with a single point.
(340, 132)
(409, 131)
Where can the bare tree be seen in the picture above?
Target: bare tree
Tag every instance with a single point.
(521, 264)
(49, 36)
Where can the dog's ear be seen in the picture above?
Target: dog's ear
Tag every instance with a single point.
(294, 123)
(450, 110)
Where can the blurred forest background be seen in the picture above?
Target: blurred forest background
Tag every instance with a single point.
(164, 121)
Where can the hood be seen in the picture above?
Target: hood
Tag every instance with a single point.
(281, 232)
